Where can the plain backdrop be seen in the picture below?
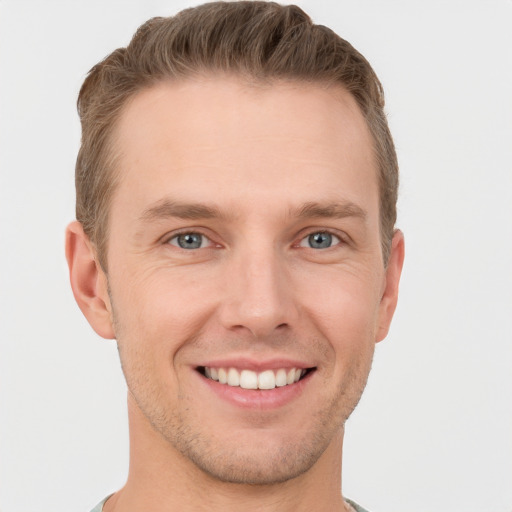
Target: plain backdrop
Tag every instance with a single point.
(434, 428)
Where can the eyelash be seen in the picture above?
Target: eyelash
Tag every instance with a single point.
(330, 234)
(340, 239)
(175, 236)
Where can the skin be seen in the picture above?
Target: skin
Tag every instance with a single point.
(258, 157)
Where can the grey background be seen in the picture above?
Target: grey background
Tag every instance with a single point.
(434, 429)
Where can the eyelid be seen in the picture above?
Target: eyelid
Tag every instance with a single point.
(340, 235)
(166, 239)
(336, 240)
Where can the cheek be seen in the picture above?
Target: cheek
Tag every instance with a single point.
(160, 306)
(344, 305)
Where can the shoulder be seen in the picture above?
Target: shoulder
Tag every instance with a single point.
(99, 506)
(354, 505)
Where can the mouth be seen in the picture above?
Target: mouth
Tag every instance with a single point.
(249, 379)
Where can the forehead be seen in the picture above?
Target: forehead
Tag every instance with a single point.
(217, 136)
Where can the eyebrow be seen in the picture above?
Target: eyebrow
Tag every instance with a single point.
(167, 208)
(335, 210)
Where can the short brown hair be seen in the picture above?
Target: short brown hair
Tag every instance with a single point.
(261, 40)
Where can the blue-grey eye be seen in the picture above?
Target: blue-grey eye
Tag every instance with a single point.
(189, 241)
(320, 240)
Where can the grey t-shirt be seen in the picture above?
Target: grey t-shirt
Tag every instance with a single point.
(356, 507)
(99, 506)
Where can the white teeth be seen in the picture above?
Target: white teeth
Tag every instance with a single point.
(248, 379)
(281, 378)
(266, 380)
(233, 377)
(223, 376)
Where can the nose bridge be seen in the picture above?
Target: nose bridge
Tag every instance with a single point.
(259, 296)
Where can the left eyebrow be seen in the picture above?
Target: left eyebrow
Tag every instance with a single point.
(337, 210)
(167, 208)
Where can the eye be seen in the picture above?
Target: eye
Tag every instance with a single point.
(190, 241)
(320, 240)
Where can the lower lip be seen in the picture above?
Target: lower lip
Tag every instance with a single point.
(257, 398)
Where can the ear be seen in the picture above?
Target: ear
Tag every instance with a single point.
(392, 279)
(88, 281)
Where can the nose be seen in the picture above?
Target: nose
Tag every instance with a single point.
(258, 296)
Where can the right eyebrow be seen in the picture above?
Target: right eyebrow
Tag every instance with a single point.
(167, 208)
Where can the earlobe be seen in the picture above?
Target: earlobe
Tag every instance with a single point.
(88, 281)
(390, 295)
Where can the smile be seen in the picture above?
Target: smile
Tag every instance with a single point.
(248, 379)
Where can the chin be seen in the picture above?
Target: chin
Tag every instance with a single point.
(255, 456)
(256, 467)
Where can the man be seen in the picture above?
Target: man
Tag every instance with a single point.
(236, 191)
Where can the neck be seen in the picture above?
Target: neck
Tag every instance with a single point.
(162, 479)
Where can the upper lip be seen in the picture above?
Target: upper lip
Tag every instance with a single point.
(245, 363)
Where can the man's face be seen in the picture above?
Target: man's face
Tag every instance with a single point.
(244, 245)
